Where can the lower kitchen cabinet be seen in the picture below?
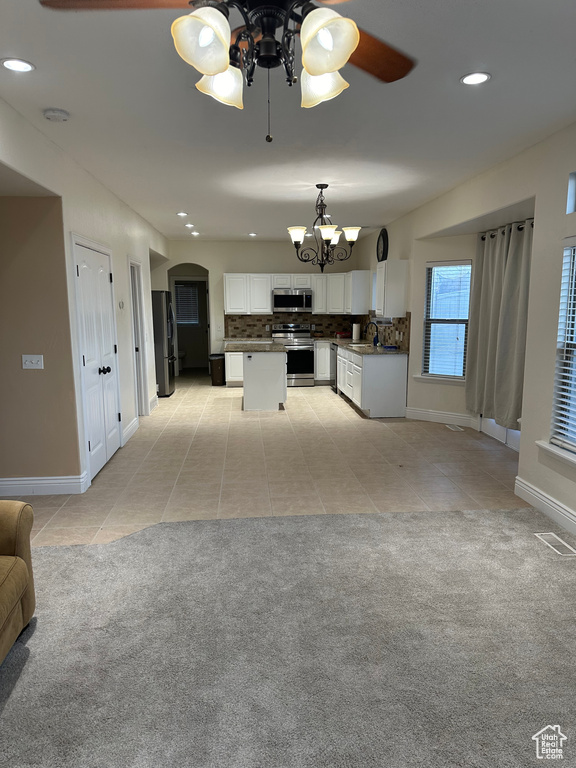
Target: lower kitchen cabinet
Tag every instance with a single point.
(375, 383)
(322, 361)
(234, 368)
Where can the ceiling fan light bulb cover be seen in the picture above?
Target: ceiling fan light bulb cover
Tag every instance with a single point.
(328, 40)
(202, 39)
(351, 233)
(225, 87)
(297, 234)
(315, 90)
(327, 231)
(336, 237)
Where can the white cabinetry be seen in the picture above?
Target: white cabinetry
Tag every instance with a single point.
(391, 279)
(260, 294)
(322, 361)
(336, 294)
(291, 281)
(281, 281)
(301, 281)
(234, 368)
(375, 383)
(349, 293)
(319, 286)
(264, 381)
(236, 294)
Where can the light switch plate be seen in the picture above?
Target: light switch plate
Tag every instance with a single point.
(30, 362)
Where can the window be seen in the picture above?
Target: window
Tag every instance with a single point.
(187, 312)
(446, 318)
(564, 413)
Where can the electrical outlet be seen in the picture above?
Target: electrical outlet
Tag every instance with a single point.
(267, 327)
(30, 362)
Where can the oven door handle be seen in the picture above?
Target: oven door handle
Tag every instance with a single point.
(299, 349)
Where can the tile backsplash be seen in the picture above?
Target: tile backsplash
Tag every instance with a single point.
(254, 326)
(240, 326)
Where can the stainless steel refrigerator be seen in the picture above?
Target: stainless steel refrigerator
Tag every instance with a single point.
(164, 324)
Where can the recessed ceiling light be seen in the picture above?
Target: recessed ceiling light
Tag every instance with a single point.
(189, 225)
(18, 65)
(181, 213)
(252, 234)
(475, 78)
(195, 233)
(309, 234)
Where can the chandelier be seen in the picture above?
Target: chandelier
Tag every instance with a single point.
(327, 250)
(226, 58)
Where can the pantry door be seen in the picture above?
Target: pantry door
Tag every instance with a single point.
(99, 355)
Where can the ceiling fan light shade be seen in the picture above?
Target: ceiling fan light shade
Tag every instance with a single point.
(202, 39)
(327, 231)
(226, 87)
(336, 237)
(297, 234)
(351, 233)
(328, 40)
(315, 90)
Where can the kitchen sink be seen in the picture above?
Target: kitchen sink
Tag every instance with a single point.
(359, 346)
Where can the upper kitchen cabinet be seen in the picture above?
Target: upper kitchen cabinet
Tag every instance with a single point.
(319, 285)
(349, 293)
(236, 294)
(260, 294)
(391, 281)
(291, 281)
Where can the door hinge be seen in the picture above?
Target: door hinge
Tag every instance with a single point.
(111, 278)
(119, 417)
(137, 349)
(77, 271)
(83, 360)
(89, 445)
(115, 349)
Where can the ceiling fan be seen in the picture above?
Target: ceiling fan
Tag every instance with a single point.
(254, 42)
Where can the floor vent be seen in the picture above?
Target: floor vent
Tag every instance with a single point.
(557, 544)
(454, 427)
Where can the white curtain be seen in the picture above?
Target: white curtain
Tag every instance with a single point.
(497, 324)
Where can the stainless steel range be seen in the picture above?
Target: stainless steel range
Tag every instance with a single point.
(299, 345)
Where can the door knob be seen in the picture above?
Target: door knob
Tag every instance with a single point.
(104, 370)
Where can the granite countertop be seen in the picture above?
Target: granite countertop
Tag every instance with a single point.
(262, 344)
(248, 345)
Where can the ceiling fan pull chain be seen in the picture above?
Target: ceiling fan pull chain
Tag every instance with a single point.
(269, 136)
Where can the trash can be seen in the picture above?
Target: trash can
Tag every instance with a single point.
(217, 370)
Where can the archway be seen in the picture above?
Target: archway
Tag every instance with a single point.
(188, 284)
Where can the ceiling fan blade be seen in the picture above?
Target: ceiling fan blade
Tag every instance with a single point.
(380, 60)
(113, 5)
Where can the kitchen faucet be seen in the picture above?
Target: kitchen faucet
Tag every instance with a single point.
(375, 341)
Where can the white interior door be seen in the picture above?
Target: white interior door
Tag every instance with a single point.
(99, 356)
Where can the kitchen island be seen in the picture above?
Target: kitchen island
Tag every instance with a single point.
(264, 372)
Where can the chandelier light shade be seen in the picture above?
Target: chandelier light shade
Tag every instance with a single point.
(226, 87)
(327, 251)
(328, 40)
(321, 88)
(202, 39)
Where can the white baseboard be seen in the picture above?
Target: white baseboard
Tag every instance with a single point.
(153, 403)
(44, 486)
(130, 430)
(444, 417)
(551, 507)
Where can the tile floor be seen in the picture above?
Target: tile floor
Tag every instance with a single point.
(199, 456)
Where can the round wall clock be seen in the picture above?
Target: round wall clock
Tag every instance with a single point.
(382, 246)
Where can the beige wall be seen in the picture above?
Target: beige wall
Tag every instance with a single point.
(541, 172)
(221, 257)
(37, 407)
(92, 211)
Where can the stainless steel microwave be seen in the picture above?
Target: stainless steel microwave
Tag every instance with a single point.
(292, 300)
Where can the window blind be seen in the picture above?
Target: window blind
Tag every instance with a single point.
(564, 410)
(446, 318)
(187, 310)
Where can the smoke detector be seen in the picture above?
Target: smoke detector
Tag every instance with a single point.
(56, 115)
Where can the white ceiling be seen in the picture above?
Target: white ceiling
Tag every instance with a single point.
(140, 127)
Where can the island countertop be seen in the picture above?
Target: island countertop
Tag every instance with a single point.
(253, 346)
